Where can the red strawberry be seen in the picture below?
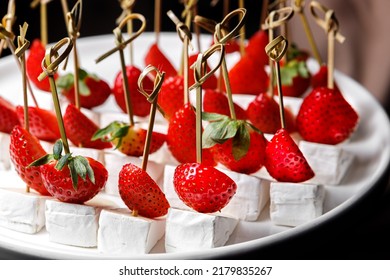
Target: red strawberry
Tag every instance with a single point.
(181, 137)
(140, 105)
(141, 193)
(284, 161)
(202, 187)
(129, 140)
(295, 78)
(80, 129)
(156, 57)
(24, 149)
(210, 83)
(256, 47)
(8, 116)
(33, 65)
(42, 123)
(251, 162)
(215, 101)
(293, 52)
(320, 79)
(93, 91)
(263, 112)
(326, 117)
(171, 96)
(248, 77)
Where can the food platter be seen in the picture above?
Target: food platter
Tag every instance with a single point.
(370, 144)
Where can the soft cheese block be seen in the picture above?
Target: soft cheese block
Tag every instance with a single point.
(293, 204)
(72, 224)
(5, 160)
(191, 231)
(329, 162)
(22, 211)
(251, 196)
(120, 233)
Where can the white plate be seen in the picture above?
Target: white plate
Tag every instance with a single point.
(370, 144)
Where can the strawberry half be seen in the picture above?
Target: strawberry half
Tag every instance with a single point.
(34, 65)
(215, 101)
(42, 123)
(141, 193)
(80, 130)
(8, 116)
(202, 187)
(93, 91)
(171, 96)
(210, 83)
(256, 47)
(326, 117)
(140, 105)
(24, 149)
(181, 137)
(155, 57)
(284, 161)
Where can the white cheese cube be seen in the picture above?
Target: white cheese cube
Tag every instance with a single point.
(293, 204)
(191, 231)
(21, 211)
(5, 160)
(114, 162)
(120, 233)
(251, 196)
(72, 224)
(329, 162)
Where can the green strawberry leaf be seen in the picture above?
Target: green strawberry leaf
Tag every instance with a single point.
(65, 82)
(88, 167)
(73, 175)
(291, 70)
(42, 160)
(241, 142)
(63, 161)
(83, 88)
(107, 131)
(207, 139)
(82, 74)
(81, 170)
(57, 149)
(211, 117)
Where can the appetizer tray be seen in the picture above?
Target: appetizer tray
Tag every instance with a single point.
(370, 144)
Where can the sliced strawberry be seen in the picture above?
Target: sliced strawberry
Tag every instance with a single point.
(8, 116)
(202, 187)
(156, 57)
(80, 129)
(326, 117)
(42, 123)
(215, 101)
(140, 105)
(34, 65)
(256, 47)
(210, 83)
(181, 137)
(24, 149)
(284, 161)
(171, 96)
(141, 193)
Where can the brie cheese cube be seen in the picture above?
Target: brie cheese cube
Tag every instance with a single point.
(191, 231)
(5, 160)
(251, 196)
(72, 224)
(114, 162)
(21, 211)
(329, 162)
(120, 233)
(293, 204)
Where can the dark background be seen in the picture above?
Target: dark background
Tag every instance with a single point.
(361, 233)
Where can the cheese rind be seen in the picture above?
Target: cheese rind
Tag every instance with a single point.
(293, 204)
(192, 231)
(120, 233)
(21, 211)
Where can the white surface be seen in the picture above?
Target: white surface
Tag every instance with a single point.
(370, 145)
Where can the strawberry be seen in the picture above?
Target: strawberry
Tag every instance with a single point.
(33, 65)
(8, 116)
(140, 104)
(210, 83)
(295, 78)
(93, 91)
(256, 47)
(320, 79)
(171, 96)
(202, 187)
(61, 175)
(295, 53)
(141, 193)
(129, 140)
(155, 57)
(263, 113)
(215, 101)
(284, 161)
(326, 117)
(24, 149)
(181, 137)
(42, 123)
(79, 129)
(248, 77)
